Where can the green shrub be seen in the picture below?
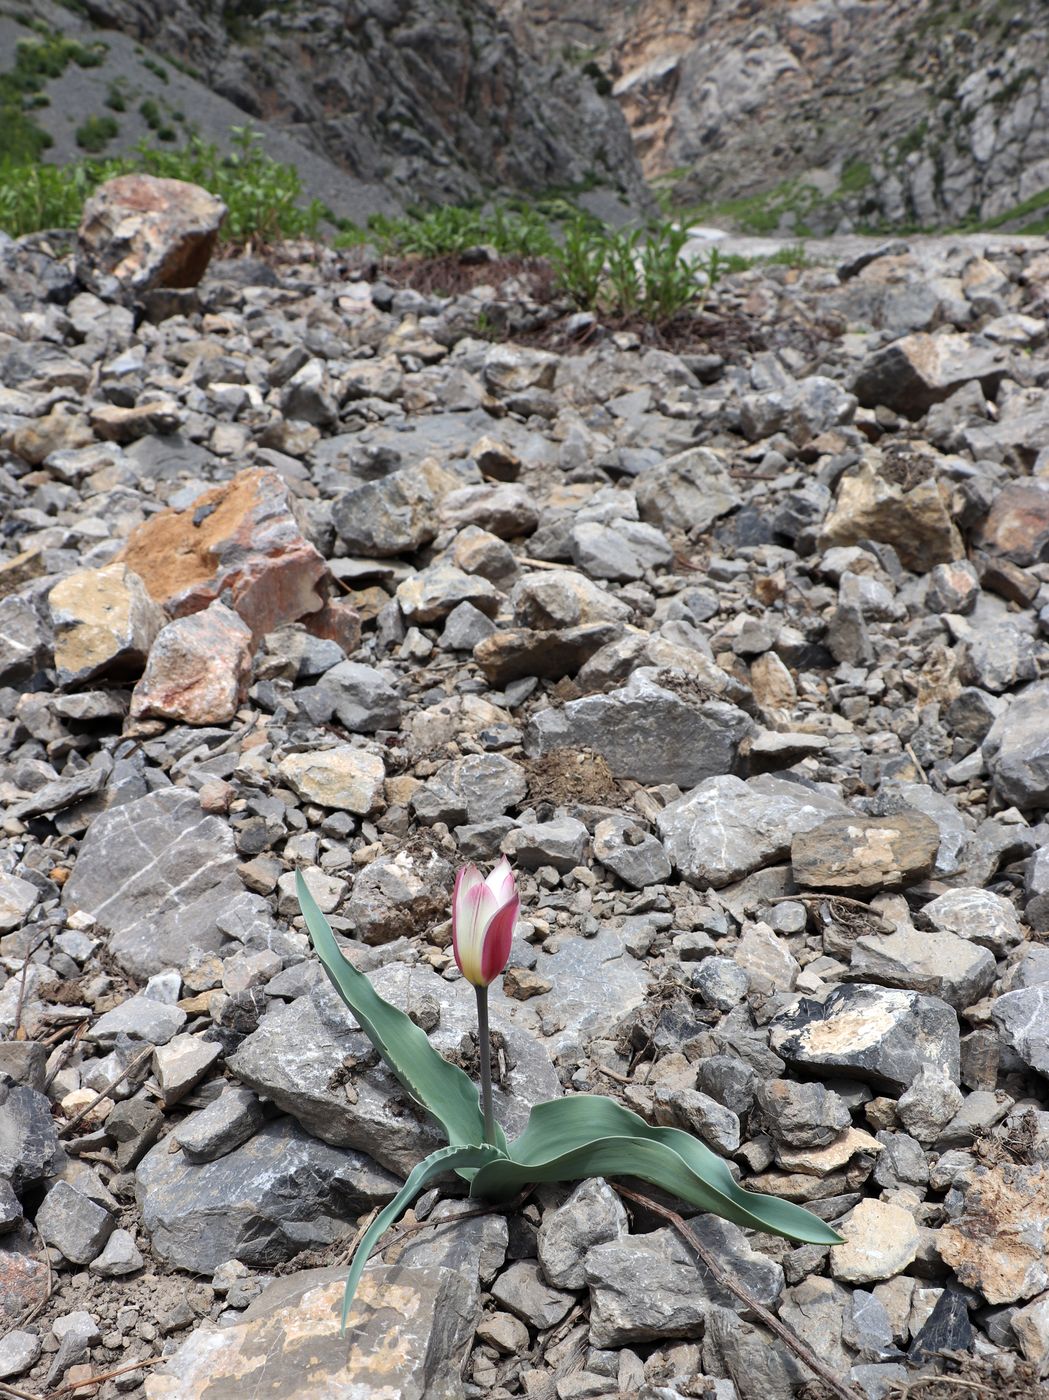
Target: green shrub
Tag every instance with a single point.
(95, 133)
(116, 97)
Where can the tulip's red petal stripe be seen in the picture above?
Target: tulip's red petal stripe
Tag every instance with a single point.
(498, 937)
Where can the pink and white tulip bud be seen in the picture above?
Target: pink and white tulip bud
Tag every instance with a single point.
(484, 912)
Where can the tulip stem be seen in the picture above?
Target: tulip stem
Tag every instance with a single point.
(486, 1065)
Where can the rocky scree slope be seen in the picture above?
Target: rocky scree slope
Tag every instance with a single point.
(375, 106)
(828, 116)
(738, 653)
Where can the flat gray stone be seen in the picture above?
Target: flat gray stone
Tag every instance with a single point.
(75, 1224)
(156, 873)
(647, 731)
(1022, 1019)
(291, 1057)
(1016, 749)
(278, 1193)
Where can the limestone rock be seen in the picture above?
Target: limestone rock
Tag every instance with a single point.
(411, 1328)
(156, 872)
(937, 962)
(239, 541)
(725, 828)
(647, 731)
(147, 232)
(858, 855)
(509, 655)
(686, 492)
(917, 371)
(877, 1034)
(432, 594)
(342, 777)
(1017, 525)
(914, 519)
(1022, 1018)
(198, 670)
(881, 1239)
(999, 1244)
(1016, 749)
(400, 894)
(105, 623)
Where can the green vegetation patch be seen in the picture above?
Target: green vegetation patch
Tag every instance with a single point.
(37, 61)
(95, 134)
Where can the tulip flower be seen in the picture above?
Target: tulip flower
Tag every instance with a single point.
(484, 912)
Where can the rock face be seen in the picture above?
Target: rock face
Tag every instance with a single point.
(148, 232)
(411, 1329)
(154, 872)
(239, 541)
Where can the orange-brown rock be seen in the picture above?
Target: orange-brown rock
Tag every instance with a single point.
(239, 541)
(147, 232)
(1017, 524)
(198, 671)
(1000, 1243)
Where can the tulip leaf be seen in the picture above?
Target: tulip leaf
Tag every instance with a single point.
(445, 1159)
(439, 1087)
(588, 1135)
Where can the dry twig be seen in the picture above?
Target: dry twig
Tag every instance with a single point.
(801, 1349)
(139, 1059)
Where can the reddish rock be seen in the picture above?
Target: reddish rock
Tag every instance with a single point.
(338, 621)
(239, 541)
(198, 670)
(1017, 524)
(148, 232)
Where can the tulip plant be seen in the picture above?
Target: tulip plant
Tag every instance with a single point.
(567, 1139)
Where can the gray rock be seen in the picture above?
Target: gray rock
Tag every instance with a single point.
(139, 1018)
(465, 627)
(936, 962)
(17, 899)
(182, 1062)
(155, 872)
(470, 790)
(720, 982)
(686, 492)
(978, 915)
(523, 1290)
(281, 1192)
(10, 1207)
(929, 1103)
(381, 518)
(561, 843)
(1016, 749)
(75, 1224)
(917, 371)
(649, 1287)
(135, 1127)
(289, 1059)
(756, 1362)
(1022, 1019)
(875, 1034)
(433, 593)
(725, 828)
(18, 1351)
(119, 1258)
(592, 1215)
(867, 1328)
(630, 852)
(647, 731)
(560, 598)
(28, 1137)
(413, 1327)
(801, 1115)
(221, 1126)
(25, 643)
(363, 700)
(696, 1113)
(1000, 657)
(401, 894)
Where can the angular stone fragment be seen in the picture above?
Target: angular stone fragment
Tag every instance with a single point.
(725, 828)
(432, 594)
(870, 504)
(861, 855)
(411, 1328)
(25, 643)
(139, 1018)
(28, 1136)
(881, 1239)
(239, 541)
(647, 730)
(631, 853)
(876, 1034)
(936, 962)
(1017, 525)
(342, 777)
(105, 623)
(280, 1192)
(592, 1215)
(400, 894)
(224, 1124)
(999, 1244)
(394, 516)
(560, 598)
(916, 371)
(1016, 749)
(75, 1224)
(471, 789)
(181, 1063)
(979, 915)
(1022, 1018)
(505, 511)
(147, 232)
(686, 492)
(198, 670)
(156, 873)
(508, 655)
(17, 898)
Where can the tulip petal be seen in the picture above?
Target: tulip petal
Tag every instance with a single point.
(497, 940)
(474, 910)
(500, 880)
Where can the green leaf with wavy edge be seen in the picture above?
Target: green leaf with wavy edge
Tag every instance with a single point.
(587, 1135)
(441, 1088)
(445, 1159)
